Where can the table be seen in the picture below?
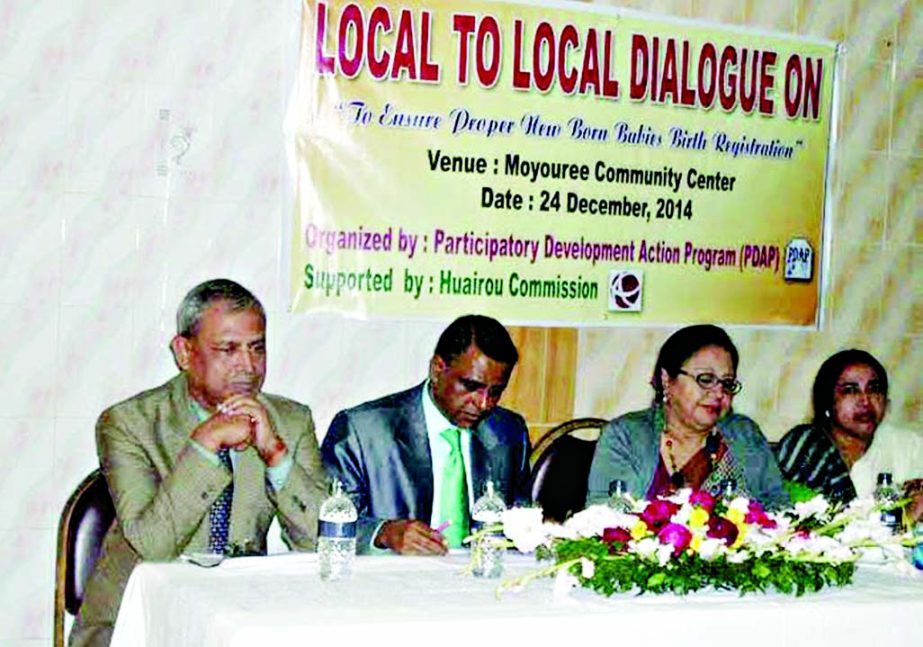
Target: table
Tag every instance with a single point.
(418, 600)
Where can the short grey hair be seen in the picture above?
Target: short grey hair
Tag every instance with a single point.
(198, 299)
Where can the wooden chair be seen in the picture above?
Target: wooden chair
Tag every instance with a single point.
(561, 464)
(85, 520)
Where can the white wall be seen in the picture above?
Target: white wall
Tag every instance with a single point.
(97, 247)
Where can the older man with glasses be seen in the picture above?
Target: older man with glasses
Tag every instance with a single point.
(204, 462)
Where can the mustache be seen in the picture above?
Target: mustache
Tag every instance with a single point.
(244, 377)
(247, 380)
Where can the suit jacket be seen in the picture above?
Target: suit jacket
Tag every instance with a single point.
(380, 451)
(629, 449)
(163, 487)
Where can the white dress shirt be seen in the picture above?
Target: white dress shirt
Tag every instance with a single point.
(439, 449)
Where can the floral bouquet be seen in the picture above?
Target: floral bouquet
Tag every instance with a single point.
(691, 540)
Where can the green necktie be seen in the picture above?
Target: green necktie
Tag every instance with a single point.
(453, 499)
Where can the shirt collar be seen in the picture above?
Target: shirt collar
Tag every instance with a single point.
(201, 413)
(436, 422)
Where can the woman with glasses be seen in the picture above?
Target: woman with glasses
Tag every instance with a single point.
(688, 437)
(835, 453)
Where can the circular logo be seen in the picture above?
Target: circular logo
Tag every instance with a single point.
(625, 291)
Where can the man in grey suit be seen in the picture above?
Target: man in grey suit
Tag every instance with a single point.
(166, 455)
(396, 457)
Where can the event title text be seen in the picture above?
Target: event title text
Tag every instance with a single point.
(397, 46)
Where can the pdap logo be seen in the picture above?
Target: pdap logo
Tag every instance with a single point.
(626, 288)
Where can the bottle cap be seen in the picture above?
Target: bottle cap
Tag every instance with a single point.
(884, 478)
(616, 487)
(728, 485)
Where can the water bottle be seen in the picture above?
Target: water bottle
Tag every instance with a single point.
(887, 494)
(619, 499)
(727, 490)
(487, 556)
(336, 535)
(916, 553)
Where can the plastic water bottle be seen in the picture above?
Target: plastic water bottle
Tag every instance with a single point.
(486, 553)
(727, 490)
(887, 494)
(336, 536)
(619, 499)
(916, 553)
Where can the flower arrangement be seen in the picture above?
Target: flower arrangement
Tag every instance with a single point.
(691, 540)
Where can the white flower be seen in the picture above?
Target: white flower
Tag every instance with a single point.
(587, 567)
(524, 527)
(680, 497)
(796, 545)
(559, 531)
(761, 537)
(645, 548)
(741, 503)
(664, 553)
(682, 515)
(593, 520)
(737, 557)
(816, 506)
(862, 507)
(710, 548)
(818, 546)
(839, 553)
(783, 523)
(865, 529)
(564, 582)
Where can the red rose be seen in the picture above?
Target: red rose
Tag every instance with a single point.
(676, 534)
(657, 513)
(757, 514)
(702, 499)
(721, 528)
(617, 538)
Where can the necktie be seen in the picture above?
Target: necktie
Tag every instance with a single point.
(219, 516)
(453, 499)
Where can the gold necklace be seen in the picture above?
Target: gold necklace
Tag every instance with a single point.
(668, 443)
(676, 477)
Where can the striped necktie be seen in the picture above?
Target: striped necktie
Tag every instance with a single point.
(219, 515)
(453, 500)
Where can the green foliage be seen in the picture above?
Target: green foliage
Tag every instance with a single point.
(687, 573)
(798, 492)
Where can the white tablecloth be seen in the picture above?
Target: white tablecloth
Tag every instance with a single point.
(281, 600)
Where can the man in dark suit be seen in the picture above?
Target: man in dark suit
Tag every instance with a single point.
(418, 458)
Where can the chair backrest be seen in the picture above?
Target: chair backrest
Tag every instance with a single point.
(561, 464)
(85, 520)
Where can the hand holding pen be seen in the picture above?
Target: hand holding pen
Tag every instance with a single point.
(412, 537)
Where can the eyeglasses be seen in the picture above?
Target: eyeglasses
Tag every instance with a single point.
(851, 389)
(710, 382)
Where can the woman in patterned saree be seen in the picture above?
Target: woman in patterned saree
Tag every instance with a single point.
(689, 436)
(848, 443)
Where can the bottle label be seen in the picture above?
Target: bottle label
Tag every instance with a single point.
(891, 518)
(478, 525)
(336, 530)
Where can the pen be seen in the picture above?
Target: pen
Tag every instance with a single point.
(443, 526)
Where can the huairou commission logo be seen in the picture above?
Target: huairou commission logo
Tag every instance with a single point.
(626, 288)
